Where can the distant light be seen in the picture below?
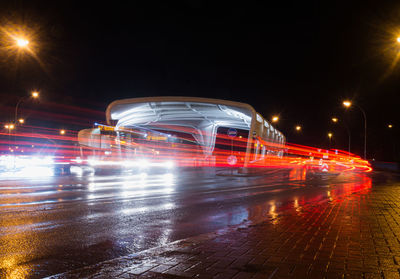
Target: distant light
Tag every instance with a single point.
(347, 103)
(298, 128)
(334, 119)
(390, 126)
(275, 119)
(35, 94)
(21, 120)
(6, 126)
(330, 135)
(11, 126)
(22, 42)
(398, 39)
(62, 132)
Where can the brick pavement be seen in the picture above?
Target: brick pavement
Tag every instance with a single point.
(354, 234)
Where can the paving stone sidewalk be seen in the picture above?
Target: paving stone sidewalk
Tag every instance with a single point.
(352, 235)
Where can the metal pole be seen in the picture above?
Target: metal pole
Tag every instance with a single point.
(365, 132)
(348, 133)
(16, 109)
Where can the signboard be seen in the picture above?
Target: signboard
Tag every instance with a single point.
(232, 132)
(160, 138)
(105, 128)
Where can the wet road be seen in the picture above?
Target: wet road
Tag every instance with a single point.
(55, 224)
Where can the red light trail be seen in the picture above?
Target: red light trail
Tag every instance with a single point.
(140, 150)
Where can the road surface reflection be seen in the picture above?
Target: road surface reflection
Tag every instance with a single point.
(55, 224)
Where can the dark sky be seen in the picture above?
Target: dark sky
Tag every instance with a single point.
(297, 59)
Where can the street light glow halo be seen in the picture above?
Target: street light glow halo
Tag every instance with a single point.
(21, 42)
(347, 103)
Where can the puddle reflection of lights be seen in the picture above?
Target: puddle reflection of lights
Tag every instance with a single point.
(272, 212)
(145, 209)
(158, 184)
(328, 193)
(14, 269)
(164, 237)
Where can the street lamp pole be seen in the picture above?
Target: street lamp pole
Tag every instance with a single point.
(34, 94)
(365, 132)
(335, 120)
(16, 109)
(349, 104)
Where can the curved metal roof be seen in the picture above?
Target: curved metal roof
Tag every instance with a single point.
(187, 111)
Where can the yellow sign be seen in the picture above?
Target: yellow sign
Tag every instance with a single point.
(105, 128)
(156, 138)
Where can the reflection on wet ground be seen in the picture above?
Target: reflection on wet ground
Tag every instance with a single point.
(56, 224)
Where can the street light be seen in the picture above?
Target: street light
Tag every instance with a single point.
(398, 39)
(21, 120)
(390, 126)
(298, 128)
(62, 132)
(348, 104)
(275, 119)
(334, 119)
(9, 126)
(21, 42)
(34, 95)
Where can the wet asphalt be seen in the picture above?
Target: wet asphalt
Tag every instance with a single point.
(54, 224)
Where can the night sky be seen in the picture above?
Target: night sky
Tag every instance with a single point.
(298, 60)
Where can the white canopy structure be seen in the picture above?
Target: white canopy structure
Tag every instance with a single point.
(200, 117)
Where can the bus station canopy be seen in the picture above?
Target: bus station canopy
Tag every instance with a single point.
(200, 117)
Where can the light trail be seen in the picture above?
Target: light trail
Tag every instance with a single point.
(166, 151)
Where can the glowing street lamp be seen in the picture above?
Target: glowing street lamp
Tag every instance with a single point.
(398, 39)
(62, 132)
(21, 120)
(275, 119)
(35, 94)
(298, 128)
(390, 126)
(347, 104)
(335, 120)
(21, 42)
(330, 135)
